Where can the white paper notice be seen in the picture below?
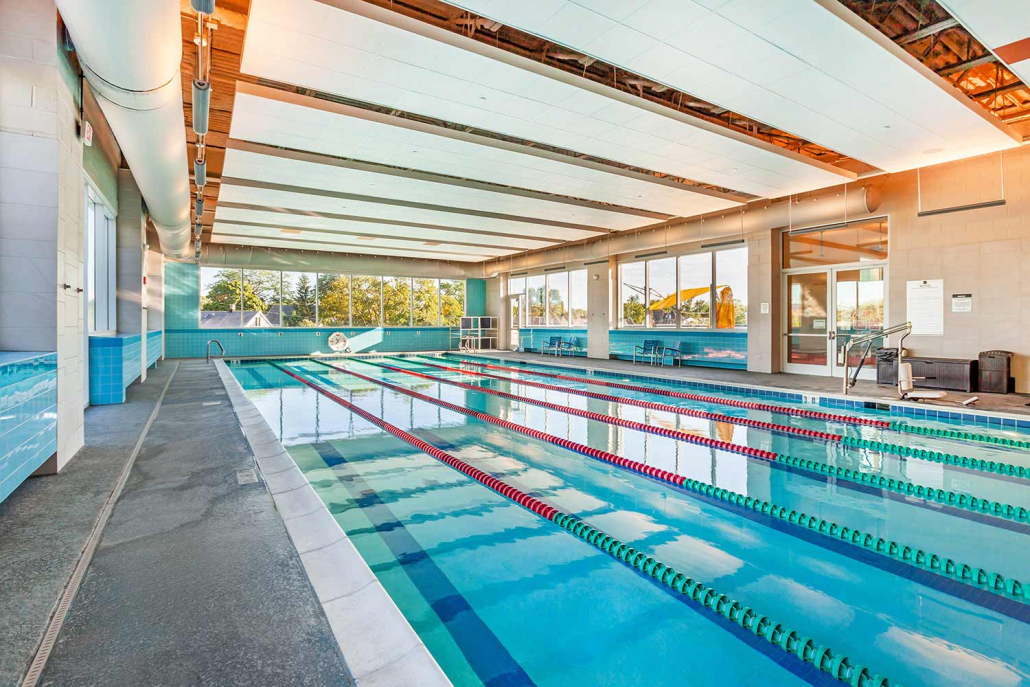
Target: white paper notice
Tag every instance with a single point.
(925, 305)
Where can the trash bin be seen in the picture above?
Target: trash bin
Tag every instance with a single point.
(996, 372)
(887, 366)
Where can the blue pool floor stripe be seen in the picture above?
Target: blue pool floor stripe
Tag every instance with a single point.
(975, 595)
(933, 506)
(484, 652)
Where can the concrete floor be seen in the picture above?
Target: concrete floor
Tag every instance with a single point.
(195, 580)
(45, 523)
(1013, 404)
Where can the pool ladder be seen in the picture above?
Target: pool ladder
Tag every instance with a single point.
(220, 347)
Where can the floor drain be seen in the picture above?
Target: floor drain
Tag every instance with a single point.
(246, 477)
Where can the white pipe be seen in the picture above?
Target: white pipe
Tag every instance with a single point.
(130, 53)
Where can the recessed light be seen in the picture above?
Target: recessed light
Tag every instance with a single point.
(933, 151)
(430, 243)
(289, 231)
(367, 238)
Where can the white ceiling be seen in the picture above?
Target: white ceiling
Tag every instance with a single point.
(303, 202)
(316, 45)
(268, 116)
(334, 247)
(996, 25)
(287, 170)
(809, 67)
(349, 229)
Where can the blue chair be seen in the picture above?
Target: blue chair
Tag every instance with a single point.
(573, 345)
(651, 349)
(553, 345)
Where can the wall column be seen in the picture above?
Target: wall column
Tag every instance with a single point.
(131, 233)
(763, 287)
(599, 301)
(155, 290)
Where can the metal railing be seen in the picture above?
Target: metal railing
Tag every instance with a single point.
(220, 346)
(867, 339)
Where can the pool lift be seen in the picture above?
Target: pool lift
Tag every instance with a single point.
(906, 382)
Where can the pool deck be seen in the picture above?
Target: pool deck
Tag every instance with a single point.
(1009, 404)
(194, 580)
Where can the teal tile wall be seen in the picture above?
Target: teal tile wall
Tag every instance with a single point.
(28, 416)
(114, 364)
(184, 340)
(475, 297)
(154, 342)
(704, 348)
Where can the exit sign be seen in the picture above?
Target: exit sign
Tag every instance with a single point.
(87, 134)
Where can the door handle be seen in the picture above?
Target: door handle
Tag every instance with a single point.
(831, 336)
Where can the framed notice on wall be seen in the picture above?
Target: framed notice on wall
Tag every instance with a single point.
(925, 306)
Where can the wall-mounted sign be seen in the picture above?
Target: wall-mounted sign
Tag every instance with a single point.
(925, 306)
(961, 302)
(87, 134)
(818, 324)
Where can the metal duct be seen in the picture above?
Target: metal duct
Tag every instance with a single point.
(816, 209)
(228, 255)
(130, 54)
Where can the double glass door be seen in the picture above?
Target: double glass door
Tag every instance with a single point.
(825, 308)
(516, 313)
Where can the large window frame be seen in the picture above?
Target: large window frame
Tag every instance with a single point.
(523, 284)
(101, 265)
(350, 300)
(678, 326)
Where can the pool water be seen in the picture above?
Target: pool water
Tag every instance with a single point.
(502, 596)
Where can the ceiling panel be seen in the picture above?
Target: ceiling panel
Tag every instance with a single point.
(222, 238)
(309, 200)
(349, 229)
(290, 170)
(288, 120)
(808, 67)
(448, 77)
(1003, 26)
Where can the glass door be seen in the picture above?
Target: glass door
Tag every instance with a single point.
(826, 309)
(517, 309)
(808, 333)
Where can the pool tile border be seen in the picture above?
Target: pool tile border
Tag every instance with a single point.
(378, 644)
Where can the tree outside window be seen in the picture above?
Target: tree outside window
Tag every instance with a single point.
(366, 301)
(333, 300)
(452, 302)
(396, 301)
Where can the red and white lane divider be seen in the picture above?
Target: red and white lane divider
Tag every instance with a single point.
(617, 421)
(786, 410)
(519, 497)
(651, 405)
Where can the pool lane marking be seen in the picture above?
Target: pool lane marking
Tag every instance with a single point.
(879, 556)
(483, 651)
(725, 609)
(992, 469)
(783, 410)
(985, 511)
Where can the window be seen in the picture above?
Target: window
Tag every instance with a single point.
(859, 241)
(578, 298)
(731, 288)
(536, 286)
(425, 303)
(452, 302)
(516, 285)
(101, 279)
(366, 300)
(661, 293)
(262, 292)
(558, 299)
(220, 298)
(298, 300)
(695, 294)
(632, 295)
(333, 297)
(397, 301)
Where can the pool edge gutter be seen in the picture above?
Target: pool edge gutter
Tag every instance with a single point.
(377, 643)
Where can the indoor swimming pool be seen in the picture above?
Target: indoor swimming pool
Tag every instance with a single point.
(545, 524)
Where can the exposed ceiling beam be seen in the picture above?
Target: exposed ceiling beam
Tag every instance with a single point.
(367, 245)
(926, 31)
(968, 64)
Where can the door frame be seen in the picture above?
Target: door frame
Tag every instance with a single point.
(831, 368)
(515, 327)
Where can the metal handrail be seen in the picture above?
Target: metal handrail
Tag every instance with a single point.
(220, 346)
(868, 339)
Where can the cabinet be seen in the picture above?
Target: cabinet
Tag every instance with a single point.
(956, 374)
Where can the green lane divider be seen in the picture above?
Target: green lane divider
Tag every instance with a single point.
(822, 657)
(903, 426)
(940, 565)
(942, 496)
(939, 457)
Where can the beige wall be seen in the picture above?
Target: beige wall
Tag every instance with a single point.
(984, 251)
